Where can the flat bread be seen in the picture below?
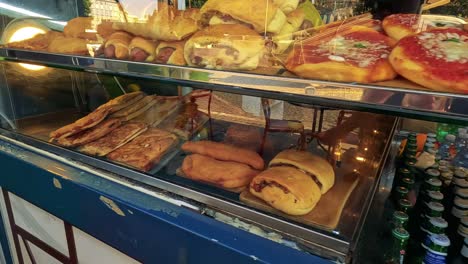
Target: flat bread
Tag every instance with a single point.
(146, 150)
(123, 101)
(134, 107)
(81, 124)
(90, 134)
(163, 107)
(115, 139)
(140, 111)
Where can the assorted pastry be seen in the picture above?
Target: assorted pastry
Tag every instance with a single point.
(246, 35)
(124, 130)
(226, 166)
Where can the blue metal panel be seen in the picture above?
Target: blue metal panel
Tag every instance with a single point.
(148, 229)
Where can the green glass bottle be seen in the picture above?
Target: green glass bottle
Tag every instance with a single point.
(405, 206)
(397, 251)
(399, 219)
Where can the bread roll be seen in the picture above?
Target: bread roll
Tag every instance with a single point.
(287, 6)
(166, 23)
(225, 174)
(284, 38)
(286, 189)
(316, 167)
(170, 52)
(68, 45)
(225, 152)
(142, 49)
(264, 16)
(233, 47)
(77, 27)
(117, 45)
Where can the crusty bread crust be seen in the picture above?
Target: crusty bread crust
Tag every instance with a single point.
(422, 74)
(302, 196)
(262, 15)
(310, 163)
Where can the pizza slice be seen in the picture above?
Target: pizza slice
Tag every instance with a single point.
(436, 59)
(398, 26)
(90, 134)
(115, 139)
(146, 150)
(359, 54)
(81, 124)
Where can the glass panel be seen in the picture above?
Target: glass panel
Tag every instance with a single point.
(339, 49)
(148, 130)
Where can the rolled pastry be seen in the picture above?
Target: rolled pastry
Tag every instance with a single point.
(166, 23)
(77, 27)
(225, 174)
(286, 189)
(263, 16)
(284, 38)
(170, 52)
(287, 6)
(117, 46)
(225, 152)
(234, 47)
(316, 167)
(142, 49)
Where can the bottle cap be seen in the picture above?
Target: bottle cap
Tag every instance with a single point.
(461, 130)
(444, 162)
(408, 181)
(450, 138)
(440, 240)
(434, 182)
(433, 172)
(460, 172)
(405, 203)
(431, 135)
(463, 136)
(464, 221)
(447, 175)
(462, 193)
(438, 222)
(400, 233)
(400, 215)
(431, 140)
(429, 145)
(461, 183)
(436, 206)
(435, 195)
(432, 151)
(401, 189)
(461, 203)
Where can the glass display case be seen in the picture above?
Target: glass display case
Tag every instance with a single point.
(276, 117)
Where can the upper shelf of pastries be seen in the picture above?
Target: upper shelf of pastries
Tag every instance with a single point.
(405, 63)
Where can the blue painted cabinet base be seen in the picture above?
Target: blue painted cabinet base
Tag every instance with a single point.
(143, 227)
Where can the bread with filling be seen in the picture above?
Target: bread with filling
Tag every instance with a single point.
(316, 167)
(286, 189)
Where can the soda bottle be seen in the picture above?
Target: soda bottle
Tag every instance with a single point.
(397, 251)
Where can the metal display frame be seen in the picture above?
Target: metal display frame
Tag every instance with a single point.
(290, 89)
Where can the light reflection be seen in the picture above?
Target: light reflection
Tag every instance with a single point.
(27, 33)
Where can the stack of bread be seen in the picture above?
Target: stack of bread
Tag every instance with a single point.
(294, 182)
(221, 165)
(221, 35)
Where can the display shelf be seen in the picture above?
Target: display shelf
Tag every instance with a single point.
(398, 97)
